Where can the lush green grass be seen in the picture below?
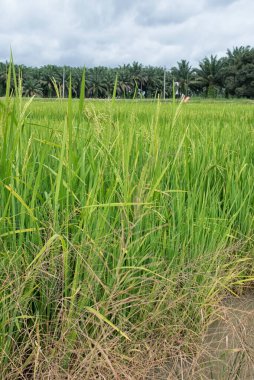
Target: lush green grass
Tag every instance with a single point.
(119, 221)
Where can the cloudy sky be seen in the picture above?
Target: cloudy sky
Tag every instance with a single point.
(113, 32)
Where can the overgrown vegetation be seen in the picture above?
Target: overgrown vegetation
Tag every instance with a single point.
(121, 225)
(229, 76)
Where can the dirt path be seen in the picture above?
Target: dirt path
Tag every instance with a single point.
(230, 341)
(227, 352)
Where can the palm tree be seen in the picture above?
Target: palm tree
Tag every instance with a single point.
(154, 84)
(96, 84)
(235, 56)
(209, 75)
(135, 73)
(3, 77)
(76, 78)
(32, 87)
(109, 77)
(124, 81)
(142, 79)
(233, 63)
(183, 74)
(239, 72)
(47, 73)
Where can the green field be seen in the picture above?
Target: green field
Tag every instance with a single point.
(122, 225)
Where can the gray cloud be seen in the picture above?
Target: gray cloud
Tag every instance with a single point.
(113, 32)
(220, 3)
(167, 12)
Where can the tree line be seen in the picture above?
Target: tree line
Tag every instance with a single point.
(229, 76)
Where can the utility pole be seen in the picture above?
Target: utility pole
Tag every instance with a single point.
(63, 82)
(164, 84)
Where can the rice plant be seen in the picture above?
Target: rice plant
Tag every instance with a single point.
(121, 222)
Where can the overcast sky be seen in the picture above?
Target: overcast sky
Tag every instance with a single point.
(113, 32)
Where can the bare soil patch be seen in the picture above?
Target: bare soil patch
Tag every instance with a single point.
(227, 350)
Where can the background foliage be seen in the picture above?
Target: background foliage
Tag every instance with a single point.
(229, 76)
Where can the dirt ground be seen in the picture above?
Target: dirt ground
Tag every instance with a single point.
(230, 341)
(227, 351)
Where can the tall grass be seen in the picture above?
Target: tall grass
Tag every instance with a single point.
(120, 221)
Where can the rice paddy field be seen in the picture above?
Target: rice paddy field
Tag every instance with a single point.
(123, 224)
